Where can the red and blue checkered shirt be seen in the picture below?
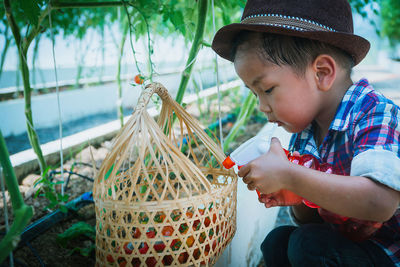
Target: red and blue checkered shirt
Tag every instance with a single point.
(363, 140)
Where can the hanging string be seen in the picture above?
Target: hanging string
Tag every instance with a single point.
(130, 35)
(221, 137)
(219, 109)
(3, 190)
(58, 102)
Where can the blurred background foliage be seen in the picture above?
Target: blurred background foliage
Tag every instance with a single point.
(383, 14)
(163, 17)
(390, 12)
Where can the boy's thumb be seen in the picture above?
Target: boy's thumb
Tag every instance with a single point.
(275, 143)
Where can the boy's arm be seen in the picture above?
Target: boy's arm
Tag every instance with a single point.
(350, 196)
(302, 214)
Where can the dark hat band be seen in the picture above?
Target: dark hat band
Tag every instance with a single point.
(288, 22)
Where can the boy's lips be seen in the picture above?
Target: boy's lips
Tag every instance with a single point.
(277, 122)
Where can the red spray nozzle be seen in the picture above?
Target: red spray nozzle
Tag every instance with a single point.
(228, 163)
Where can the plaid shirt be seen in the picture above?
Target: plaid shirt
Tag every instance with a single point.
(363, 140)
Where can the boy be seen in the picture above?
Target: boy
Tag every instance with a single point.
(296, 57)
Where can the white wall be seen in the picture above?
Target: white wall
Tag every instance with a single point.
(74, 104)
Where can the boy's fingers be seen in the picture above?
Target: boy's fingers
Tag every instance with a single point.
(251, 186)
(276, 146)
(296, 153)
(262, 198)
(271, 203)
(275, 142)
(244, 170)
(265, 200)
(246, 180)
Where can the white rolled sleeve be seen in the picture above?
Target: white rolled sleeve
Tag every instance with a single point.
(382, 166)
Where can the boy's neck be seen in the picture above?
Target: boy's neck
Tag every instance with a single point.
(331, 102)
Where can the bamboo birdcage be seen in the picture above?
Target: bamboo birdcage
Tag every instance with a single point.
(162, 196)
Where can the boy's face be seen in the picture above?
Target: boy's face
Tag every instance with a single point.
(291, 100)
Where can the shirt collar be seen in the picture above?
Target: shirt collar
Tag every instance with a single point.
(341, 120)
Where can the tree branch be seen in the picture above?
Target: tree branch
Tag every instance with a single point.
(59, 5)
(13, 24)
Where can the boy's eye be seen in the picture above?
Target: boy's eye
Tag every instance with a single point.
(269, 90)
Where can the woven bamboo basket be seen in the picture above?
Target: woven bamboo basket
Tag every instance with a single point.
(162, 196)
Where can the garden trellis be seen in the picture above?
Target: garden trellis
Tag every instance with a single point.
(162, 196)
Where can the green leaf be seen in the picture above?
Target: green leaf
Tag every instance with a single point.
(83, 251)
(62, 198)
(65, 198)
(63, 208)
(39, 181)
(50, 196)
(177, 20)
(76, 230)
(36, 194)
(143, 189)
(31, 10)
(206, 44)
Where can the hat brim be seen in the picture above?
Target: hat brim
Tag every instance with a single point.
(356, 46)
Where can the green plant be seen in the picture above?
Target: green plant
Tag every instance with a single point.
(390, 12)
(22, 212)
(248, 108)
(198, 40)
(47, 189)
(198, 86)
(77, 230)
(23, 42)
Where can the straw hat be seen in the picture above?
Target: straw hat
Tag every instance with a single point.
(328, 21)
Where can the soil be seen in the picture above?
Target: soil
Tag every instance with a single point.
(44, 250)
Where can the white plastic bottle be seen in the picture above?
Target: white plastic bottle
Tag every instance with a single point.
(249, 150)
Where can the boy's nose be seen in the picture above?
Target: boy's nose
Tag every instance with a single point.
(264, 108)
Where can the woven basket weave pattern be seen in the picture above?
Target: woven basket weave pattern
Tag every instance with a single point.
(161, 195)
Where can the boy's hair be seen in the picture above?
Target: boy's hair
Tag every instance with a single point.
(295, 52)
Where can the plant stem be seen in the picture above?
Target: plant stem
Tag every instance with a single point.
(59, 5)
(121, 52)
(5, 49)
(102, 42)
(199, 99)
(33, 138)
(131, 29)
(198, 40)
(9, 175)
(149, 46)
(22, 212)
(248, 108)
(34, 59)
(22, 51)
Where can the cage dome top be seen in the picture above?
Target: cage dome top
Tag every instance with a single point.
(156, 162)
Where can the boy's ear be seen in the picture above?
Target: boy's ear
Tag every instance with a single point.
(324, 67)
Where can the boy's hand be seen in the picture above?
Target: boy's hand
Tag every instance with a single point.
(267, 172)
(281, 198)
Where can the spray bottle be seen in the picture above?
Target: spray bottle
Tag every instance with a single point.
(259, 145)
(249, 150)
